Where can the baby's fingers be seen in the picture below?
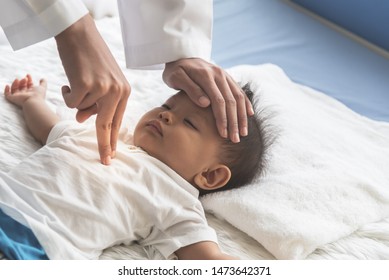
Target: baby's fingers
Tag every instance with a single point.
(9, 96)
(7, 90)
(23, 84)
(29, 81)
(15, 86)
(43, 83)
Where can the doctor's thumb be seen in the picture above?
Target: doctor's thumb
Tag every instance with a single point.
(83, 115)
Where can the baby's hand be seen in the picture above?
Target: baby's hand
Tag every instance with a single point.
(22, 90)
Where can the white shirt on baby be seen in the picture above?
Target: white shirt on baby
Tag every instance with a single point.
(78, 207)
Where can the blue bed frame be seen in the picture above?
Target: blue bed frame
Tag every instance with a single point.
(311, 53)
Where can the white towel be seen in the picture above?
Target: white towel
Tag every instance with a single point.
(327, 175)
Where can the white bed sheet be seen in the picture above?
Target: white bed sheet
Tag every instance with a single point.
(371, 241)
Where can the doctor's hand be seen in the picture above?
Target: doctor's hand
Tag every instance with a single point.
(207, 84)
(97, 85)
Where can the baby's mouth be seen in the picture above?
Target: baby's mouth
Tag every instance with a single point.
(155, 126)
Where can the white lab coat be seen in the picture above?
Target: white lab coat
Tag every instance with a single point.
(154, 31)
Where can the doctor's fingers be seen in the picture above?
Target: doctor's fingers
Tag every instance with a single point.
(232, 98)
(85, 100)
(71, 97)
(226, 109)
(110, 112)
(230, 104)
(108, 120)
(83, 97)
(243, 105)
(182, 75)
(179, 79)
(107, 130)
(204, 92)
(116, 124)
(202, 89)
(116, 89)
(109, 107)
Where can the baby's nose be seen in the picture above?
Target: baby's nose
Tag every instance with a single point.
(166, 117)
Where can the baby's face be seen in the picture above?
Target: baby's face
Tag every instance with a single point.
(180, 134)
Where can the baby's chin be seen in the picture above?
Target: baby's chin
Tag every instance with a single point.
(141, 142)
(165, 161)
(148, 150)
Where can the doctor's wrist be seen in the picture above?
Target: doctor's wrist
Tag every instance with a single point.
(77, 30)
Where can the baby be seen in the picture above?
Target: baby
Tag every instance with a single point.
(74, 207)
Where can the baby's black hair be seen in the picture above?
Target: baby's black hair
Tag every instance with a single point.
(246, 159)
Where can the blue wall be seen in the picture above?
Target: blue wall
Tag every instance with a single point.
(367, 18)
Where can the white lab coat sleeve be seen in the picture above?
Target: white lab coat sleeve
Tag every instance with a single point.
(158, 31)
(26, 22)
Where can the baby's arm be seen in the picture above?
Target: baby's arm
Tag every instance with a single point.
(39, 118)
(205, 250)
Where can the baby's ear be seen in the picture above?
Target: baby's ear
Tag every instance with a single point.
(213, 178)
